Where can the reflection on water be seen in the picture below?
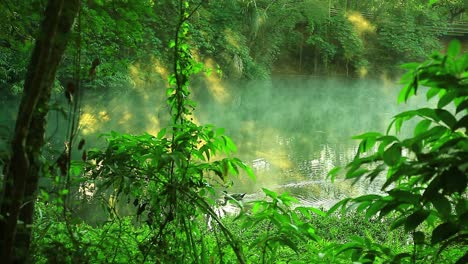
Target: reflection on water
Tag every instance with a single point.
(294, 130)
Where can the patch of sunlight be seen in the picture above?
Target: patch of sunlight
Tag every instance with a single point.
(232, 38)
(88, 122)
(126, 117)
(104, 116)
(362, 71)
(195, 54)
(346, 187)
(277, 157)
(193, 118)
(360, 23)
(269, 149)
(136, 79)
(316, 190)
(153, 126)
(388, 83)
(160, 69)
(215, 86)
(264, 180)
(247, 126)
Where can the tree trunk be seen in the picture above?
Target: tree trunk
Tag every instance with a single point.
(20, 184)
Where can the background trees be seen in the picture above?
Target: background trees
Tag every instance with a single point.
(246, 39)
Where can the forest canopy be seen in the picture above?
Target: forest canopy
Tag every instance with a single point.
(243, 39)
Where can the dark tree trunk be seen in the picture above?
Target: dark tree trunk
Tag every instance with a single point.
(21, 180)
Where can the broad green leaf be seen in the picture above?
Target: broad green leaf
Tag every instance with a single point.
(376, 172)
(442, 204)
(368, 197)
(339, 204)
(229, 143)
(356, 173)
(392, 155)
(368, 135)
(333, 172)
(367, 144)
(250, 172)
(220, 131)
(434, 133)
(462, 123)
(433, 91)
(316, 211)
(161, 133)
(305, 211)
(407, 91)
(453, 180)
(374, 208)
(362, 206)
(170, 91)
(462, 106)
(415, 219)
(410, 65)
(397, 223)
(446, 117)
(269, 193)
(446, 99)
(386, 140)
(405, 196)
(443, 232)
(389, 207)
(427, 112)
(232, 168)
(422, 126)
(348, 246)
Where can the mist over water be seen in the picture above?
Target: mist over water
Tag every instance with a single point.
(292, 129)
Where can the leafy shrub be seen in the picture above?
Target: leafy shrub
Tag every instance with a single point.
(427, 173)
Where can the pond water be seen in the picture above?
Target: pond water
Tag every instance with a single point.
(294, 130)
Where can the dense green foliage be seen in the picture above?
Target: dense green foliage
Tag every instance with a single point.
(427, 174)
(246, 39)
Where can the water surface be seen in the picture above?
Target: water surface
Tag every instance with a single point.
(294, 130)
